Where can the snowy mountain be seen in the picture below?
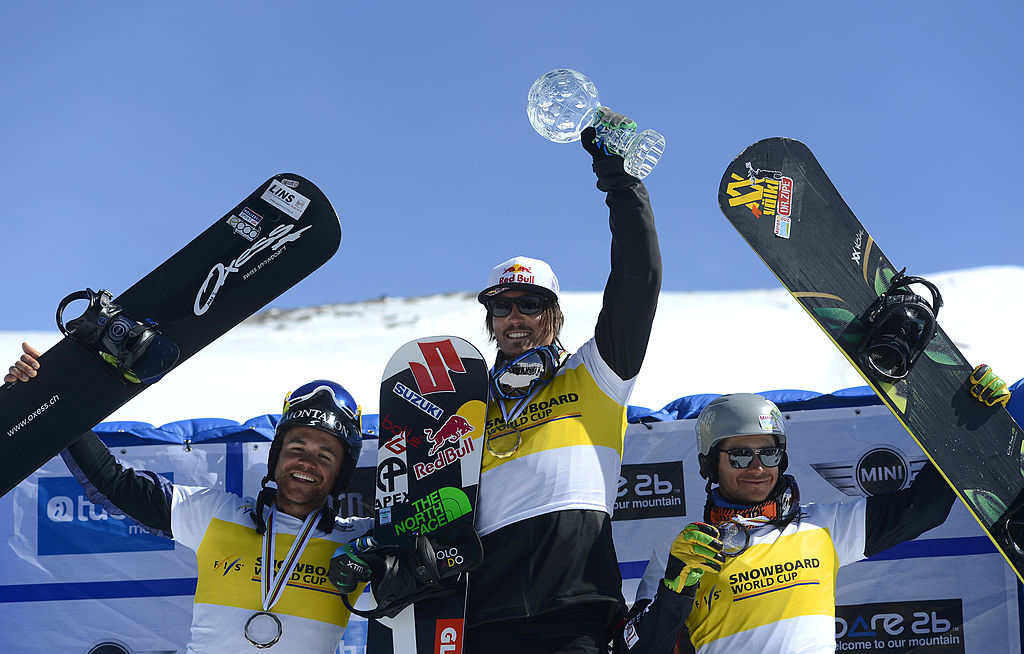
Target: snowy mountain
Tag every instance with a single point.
(703, 342)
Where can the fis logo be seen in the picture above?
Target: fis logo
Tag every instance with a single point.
(228, 564)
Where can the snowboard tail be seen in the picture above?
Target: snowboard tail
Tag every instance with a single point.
(780, 200)
(266, 244)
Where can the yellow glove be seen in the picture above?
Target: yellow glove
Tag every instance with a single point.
(987, 387)
(696, 550)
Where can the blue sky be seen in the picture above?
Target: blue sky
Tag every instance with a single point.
(127, 128)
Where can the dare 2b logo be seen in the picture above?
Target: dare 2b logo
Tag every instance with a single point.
(71, 524)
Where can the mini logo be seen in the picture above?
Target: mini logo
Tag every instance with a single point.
(879, 470)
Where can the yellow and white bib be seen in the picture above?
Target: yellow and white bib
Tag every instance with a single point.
(779, 594)
(571, 451)
(219, 527)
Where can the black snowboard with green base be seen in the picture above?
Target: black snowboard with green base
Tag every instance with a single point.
(777, 196)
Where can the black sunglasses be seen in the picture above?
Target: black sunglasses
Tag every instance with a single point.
(742, 457)
(528, 305)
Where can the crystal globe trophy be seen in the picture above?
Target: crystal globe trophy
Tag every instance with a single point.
(563, 102)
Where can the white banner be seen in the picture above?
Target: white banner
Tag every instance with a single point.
(77, 580)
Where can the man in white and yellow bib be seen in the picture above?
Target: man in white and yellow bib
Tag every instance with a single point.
(550, 580)
(241, 602)
(763, 579)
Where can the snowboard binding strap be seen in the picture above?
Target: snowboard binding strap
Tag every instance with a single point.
(1009, 527)
(105, 328)
(428, 568)
(900, 325)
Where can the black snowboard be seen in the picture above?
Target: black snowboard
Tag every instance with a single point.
(270, 241)
(433, 404)
(777, 196)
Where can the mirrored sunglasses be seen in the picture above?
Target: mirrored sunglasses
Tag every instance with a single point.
(520, 376)
(528, 305)
(742, 457)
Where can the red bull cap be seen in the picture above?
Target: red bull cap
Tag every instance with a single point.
(521, 274)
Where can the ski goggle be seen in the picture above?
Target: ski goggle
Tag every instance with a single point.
(528, 305)
(742, 457)
(324, 405)
(521, 375)
(340, 400)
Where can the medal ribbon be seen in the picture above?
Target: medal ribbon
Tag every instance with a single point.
(272, 585)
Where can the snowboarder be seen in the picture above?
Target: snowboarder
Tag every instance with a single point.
(240, 601)
(759, 544)
(550, 580)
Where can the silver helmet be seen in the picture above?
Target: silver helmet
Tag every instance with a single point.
(739, 414)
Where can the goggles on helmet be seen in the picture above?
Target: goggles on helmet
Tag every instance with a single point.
(521, 375)
(742, 457)
(324, 405)
(528, 305)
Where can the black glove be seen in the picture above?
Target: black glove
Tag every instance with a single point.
(610, 120)
(348, 569)
(610, 170)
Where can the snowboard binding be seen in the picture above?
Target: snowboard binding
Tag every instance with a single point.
(900, 325)
(119, 340)
(428, 568)
(1010, 526)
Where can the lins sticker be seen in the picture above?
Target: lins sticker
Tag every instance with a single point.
(286, 199)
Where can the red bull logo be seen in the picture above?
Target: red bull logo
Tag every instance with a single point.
(516, 273)
(451, 431)
(517, 268)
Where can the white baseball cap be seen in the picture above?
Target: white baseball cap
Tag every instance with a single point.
(521, 274)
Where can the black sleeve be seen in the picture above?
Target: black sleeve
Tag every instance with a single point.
(143, 496)
(654, 627)
(904, 515)
(631, 294)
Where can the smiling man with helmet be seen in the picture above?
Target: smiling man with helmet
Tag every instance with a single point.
(550, 580)
(714, 587)
(240, 603)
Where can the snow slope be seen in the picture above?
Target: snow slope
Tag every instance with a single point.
(703, 342)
